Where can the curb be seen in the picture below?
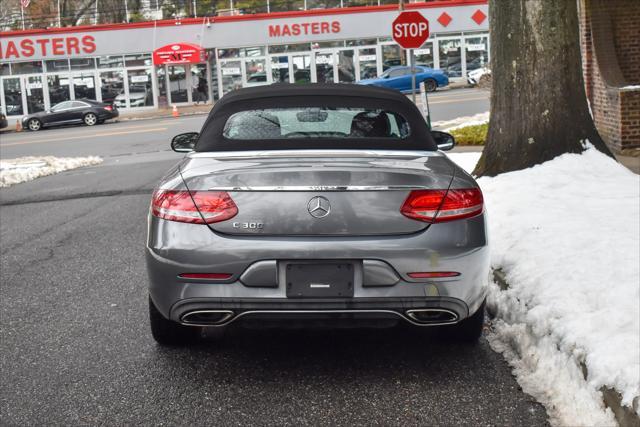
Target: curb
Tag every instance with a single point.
(625, 416)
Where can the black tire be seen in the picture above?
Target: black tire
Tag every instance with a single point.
(90, 119)
(34, 125)
(430, 85)
(467, 331)
(170, 333)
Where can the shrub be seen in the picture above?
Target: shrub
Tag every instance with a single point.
(470, 135)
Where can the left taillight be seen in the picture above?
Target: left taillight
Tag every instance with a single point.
(196, 207)
(108, 108)
(443, 205)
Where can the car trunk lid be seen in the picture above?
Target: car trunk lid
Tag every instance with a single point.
(321, 195)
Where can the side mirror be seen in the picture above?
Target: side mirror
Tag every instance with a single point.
(444, 141)
(184, 142)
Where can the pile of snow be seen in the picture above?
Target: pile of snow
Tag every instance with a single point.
(24, 169)
(567, 235)
(458, 122)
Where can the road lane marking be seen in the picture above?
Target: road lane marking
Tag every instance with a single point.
(42, 141)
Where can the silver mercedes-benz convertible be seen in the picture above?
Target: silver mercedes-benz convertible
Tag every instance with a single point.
(316, 205)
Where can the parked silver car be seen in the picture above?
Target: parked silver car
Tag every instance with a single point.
(321, 204)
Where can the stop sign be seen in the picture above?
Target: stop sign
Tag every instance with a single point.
(410, 29)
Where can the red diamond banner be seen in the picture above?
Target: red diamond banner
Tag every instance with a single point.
(479, 17)
(444, 19)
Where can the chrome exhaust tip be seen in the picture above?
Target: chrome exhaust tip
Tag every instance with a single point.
(432, 316)
(207, 317)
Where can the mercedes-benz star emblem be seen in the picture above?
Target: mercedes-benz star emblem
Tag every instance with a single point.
(319, 207)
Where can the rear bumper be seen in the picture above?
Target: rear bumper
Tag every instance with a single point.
(174, 248)
(280, 311)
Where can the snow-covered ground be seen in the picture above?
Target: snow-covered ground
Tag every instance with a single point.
(23, 169)
(447, 125)
(567, 236)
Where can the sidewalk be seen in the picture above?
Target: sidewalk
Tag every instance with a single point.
(187, 110)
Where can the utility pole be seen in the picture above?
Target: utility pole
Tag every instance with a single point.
(59, 16)
(126, 10)
(95, 16)
(195, 11)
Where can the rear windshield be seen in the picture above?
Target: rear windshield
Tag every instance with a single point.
(315, 122)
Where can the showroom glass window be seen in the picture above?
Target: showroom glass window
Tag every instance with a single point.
(27, 67)
(59, 91)
(140, 88)
(57, 65)
(424, 55)
(451, 56)
(112, 88)
(82, 64)
(139, 60)
(113, 61)
(12, 96)
(477, 52)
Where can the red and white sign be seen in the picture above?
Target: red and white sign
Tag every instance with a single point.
(304, 28)
(410, 29)
(25, 3)
(47, 47)
(179, 53)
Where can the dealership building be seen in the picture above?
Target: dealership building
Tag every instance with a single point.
(155, 64)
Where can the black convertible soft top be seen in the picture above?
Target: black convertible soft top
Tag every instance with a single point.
(328, 95)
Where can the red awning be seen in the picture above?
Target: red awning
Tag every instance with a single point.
(179, 53)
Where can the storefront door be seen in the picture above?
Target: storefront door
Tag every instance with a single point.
(178, 86)
(254, 72)
(187, 83)
(199, 83)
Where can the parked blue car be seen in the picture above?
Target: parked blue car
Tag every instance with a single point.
(399, 78)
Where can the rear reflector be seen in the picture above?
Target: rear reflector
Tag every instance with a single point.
(442, 205)
(433, 274)
(210, 276)
(197, 207)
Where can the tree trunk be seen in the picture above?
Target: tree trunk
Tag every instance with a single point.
(539, 108)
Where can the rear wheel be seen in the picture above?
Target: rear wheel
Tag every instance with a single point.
(34, 124)
(168, 332)
(430, 85)
(90, 119)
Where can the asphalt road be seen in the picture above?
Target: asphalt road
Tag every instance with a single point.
(75, 341)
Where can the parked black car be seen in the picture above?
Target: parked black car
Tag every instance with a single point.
(85, 111)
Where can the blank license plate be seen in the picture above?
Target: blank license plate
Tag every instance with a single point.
(319, 280)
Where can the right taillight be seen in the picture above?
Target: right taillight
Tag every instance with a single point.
(442, 205)
(197, 207)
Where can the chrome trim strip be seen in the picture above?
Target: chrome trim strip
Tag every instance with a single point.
(411, 314)
(313, 153)
(322, 188)
(395, 313)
